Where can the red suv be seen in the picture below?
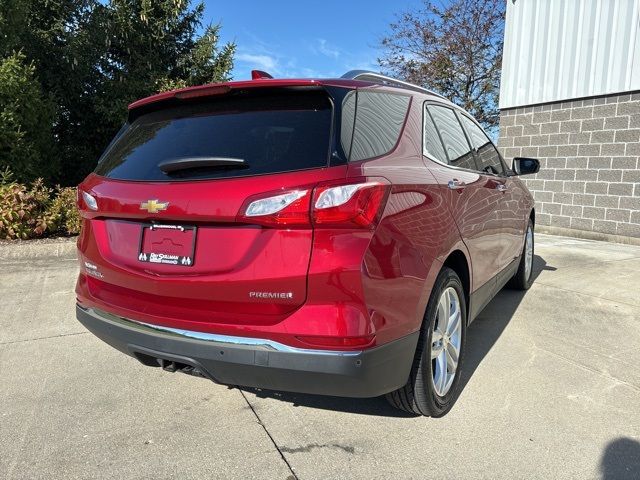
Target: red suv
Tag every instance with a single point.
(320, 236)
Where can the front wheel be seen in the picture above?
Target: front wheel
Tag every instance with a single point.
(433, 384)
(522, 279)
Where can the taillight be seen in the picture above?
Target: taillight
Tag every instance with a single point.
(354, 205)
(85, 199)
(346, 205)
(290, 208)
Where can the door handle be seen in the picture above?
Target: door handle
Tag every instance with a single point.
(501, 187)
(456, 184)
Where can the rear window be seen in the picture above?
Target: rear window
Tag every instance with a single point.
(272, 133)
(379, 118)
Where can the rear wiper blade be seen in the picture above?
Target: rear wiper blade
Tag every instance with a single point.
(185, 163)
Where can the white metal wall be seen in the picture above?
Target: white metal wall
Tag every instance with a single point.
(564, 49)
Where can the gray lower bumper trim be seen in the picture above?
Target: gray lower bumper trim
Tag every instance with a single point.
(260, 363)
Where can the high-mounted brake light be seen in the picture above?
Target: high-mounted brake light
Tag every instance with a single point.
(203, 92)
(346, 205)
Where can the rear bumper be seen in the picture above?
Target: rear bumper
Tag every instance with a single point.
(258, 363)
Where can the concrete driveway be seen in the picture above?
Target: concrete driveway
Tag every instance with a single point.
(551, 390)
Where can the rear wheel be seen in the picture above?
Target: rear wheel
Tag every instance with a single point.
(522, 279)
(433, 384)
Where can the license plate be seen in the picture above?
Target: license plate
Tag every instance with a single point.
(168, 244)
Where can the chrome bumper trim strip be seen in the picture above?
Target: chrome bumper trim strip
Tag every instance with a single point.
(220, 340)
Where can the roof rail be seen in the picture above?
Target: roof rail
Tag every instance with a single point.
(378, 78)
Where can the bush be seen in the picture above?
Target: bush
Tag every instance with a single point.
(62, 215)
(36, 210)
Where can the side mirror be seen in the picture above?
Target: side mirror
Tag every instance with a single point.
(525, 166)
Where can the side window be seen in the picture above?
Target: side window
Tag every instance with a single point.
(432, 143)
(379, 120)
(455, 142)
(488, 157)
(348, 117)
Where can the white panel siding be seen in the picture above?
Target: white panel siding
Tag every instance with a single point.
(563, 49)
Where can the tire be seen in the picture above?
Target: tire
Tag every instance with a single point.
(523, 278)
(423, 394)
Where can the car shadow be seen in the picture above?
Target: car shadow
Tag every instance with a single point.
(482, 335)
(621, 460)
(487, 328)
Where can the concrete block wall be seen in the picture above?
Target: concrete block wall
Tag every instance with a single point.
(589, 178)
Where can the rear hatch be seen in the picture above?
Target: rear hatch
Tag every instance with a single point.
(167, 236)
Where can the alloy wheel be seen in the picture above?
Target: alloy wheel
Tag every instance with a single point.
(446, 339)
(528, 252)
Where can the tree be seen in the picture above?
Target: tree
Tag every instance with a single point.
(152, 45)
(454, 48)
(94, 57)
(25, 122)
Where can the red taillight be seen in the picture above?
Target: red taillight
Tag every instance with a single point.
(337, 342)
(345, 205)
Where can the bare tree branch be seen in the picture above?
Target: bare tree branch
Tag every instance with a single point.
(454, 46)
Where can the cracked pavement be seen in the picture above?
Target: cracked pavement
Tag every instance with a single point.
(551, 390)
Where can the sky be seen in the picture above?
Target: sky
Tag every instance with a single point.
(291, 39)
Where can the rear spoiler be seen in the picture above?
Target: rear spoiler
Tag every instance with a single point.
(224, 88)
(352, 79)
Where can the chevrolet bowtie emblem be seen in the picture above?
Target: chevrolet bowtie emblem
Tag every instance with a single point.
(154, 206)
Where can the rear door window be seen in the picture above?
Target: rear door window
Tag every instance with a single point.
(455, 142)
(487, 156)
(379, 118)
(271, 133)
(432, 143)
